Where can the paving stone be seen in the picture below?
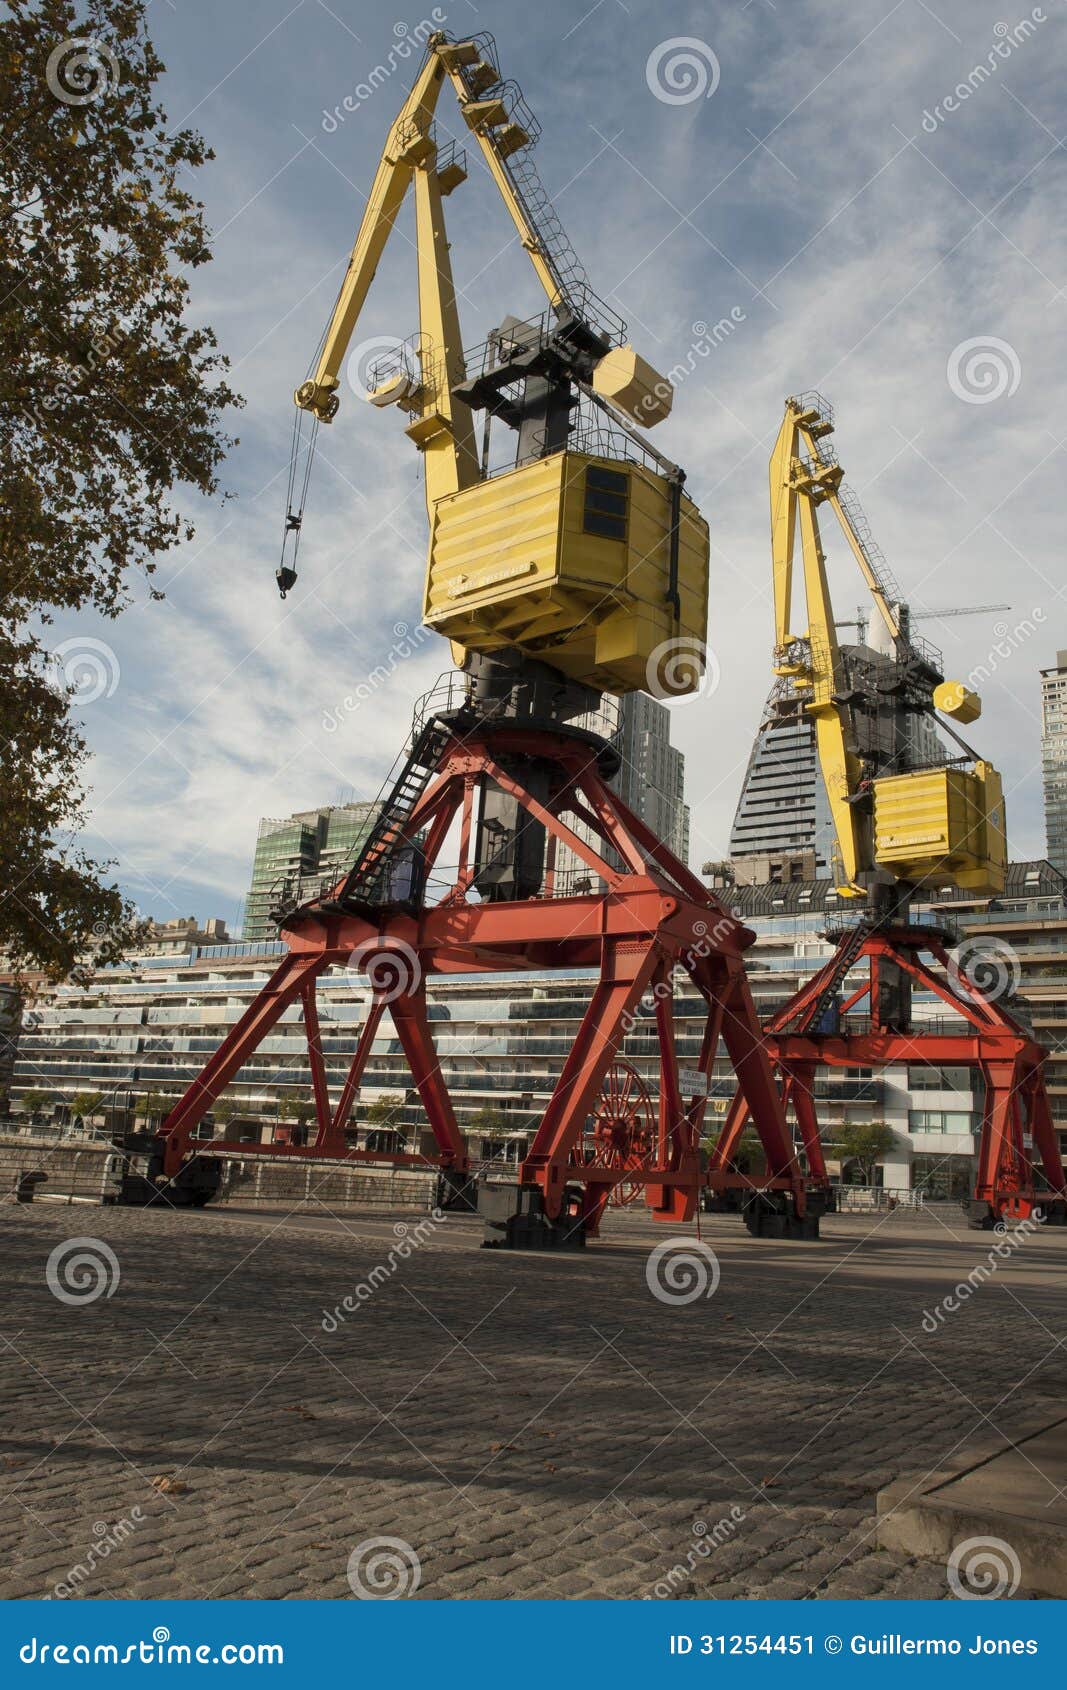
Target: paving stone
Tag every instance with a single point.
(290, 1464)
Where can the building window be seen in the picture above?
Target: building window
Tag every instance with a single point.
(606, 499)
(942, 1178)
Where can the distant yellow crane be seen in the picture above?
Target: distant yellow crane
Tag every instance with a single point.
(941, 822)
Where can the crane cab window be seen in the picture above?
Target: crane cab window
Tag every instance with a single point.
(606, 499)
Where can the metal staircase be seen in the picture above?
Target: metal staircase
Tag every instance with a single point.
(379, 877)
(850, 948)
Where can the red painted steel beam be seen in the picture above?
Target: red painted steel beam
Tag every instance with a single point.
(413, 1030)
(626, 970)
(282, 989)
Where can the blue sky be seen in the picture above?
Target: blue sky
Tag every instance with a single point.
(818, 191)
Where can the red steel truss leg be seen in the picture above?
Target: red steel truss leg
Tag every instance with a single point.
(801, 1078)
(333, 1141)
(413, 1030)
(677, 1139)
(625, 971)
(318, 1067)
(283, 988)
(1001, 1171)
(1039, 1115)
(743, 1038)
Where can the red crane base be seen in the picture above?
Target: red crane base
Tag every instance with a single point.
(653, 925)
(1017, 1139)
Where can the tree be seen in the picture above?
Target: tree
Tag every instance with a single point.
(383, 1115)
(490, 1121)
(109, 398)
(153, 1105)
(224, 1110)
(863, 1142)
(295, 1109)
(86, 1103)
(383, 1111)
(35, 1101)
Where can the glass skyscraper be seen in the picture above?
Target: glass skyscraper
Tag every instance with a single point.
(1054, 759)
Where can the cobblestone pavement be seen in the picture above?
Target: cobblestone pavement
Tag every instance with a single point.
(529, 1426)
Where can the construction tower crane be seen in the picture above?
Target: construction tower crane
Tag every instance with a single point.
(863, 616)
(907, 816)
(580, 566)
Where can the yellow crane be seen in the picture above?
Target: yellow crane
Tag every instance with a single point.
(584, 553)
(905, 819)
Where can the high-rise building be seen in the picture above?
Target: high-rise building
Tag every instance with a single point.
(1054, 759)
(298, 852)
(783, 823)
(650, 781)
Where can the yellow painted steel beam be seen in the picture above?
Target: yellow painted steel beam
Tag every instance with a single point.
(449, 453)
(408, 142)
(479, 120)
